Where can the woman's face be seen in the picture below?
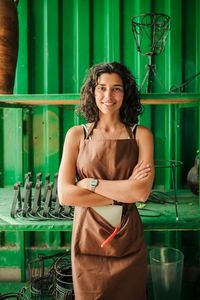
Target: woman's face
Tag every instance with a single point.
(109, 93)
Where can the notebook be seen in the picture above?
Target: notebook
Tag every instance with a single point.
(111, 213)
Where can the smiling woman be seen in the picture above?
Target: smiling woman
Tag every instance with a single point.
(106, 162)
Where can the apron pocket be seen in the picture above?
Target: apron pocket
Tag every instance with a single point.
(95, 230)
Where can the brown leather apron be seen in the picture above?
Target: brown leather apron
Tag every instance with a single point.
(117, 271)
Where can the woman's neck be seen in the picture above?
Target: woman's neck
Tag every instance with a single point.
(109, 123)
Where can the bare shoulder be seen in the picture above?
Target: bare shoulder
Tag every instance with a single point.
(75, 131)
(70, 152)
(78, 130)
(74, 136)
(143, 132)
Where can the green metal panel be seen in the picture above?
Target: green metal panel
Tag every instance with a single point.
(22, 74)
(81, 41)
(189, 138)
(189, 53)
(177, 143)
(97, 32)
(36, 44)
(197, 37)
(46, 140)
(13, 157)
(27, 140)
(112, 30)
(59, 40)
(67, 50)
(51, 46)
(22, 254)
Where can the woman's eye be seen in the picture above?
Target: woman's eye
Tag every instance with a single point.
(101, 88)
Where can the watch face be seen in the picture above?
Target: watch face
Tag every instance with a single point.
(94, 183)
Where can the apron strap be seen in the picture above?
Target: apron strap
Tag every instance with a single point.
(89, 132)
(131, 131)
(134, 129)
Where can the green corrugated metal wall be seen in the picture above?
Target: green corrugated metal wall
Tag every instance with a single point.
(59, 40)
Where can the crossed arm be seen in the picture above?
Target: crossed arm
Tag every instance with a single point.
(136, 188)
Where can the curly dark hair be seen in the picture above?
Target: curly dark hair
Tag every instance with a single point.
(131, 106)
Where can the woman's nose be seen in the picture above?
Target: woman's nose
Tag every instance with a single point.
(108, 94)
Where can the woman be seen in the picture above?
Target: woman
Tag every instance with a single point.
(112, 160)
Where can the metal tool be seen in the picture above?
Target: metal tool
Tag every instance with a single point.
(48, 200)
(37, 206)
(27, 180)
(47, 179)
(37, 199)
(27, 199)
(17, 201)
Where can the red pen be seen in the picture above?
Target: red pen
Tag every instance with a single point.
(110, 237)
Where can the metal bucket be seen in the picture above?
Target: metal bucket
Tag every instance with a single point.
(63, 279)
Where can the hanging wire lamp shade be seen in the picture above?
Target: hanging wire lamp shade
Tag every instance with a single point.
(150, 32)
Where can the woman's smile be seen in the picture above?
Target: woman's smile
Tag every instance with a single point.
(109, 104)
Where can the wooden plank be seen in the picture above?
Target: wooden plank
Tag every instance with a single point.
(168, 101)
(42, 102)
(76, 101)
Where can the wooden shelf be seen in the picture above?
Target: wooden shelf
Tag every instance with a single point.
(73, 99)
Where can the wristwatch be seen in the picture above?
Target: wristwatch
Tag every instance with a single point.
(93, 184)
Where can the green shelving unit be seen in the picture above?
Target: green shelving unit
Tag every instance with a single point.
(58, 42)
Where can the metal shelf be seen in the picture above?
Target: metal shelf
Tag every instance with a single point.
(189, 218)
